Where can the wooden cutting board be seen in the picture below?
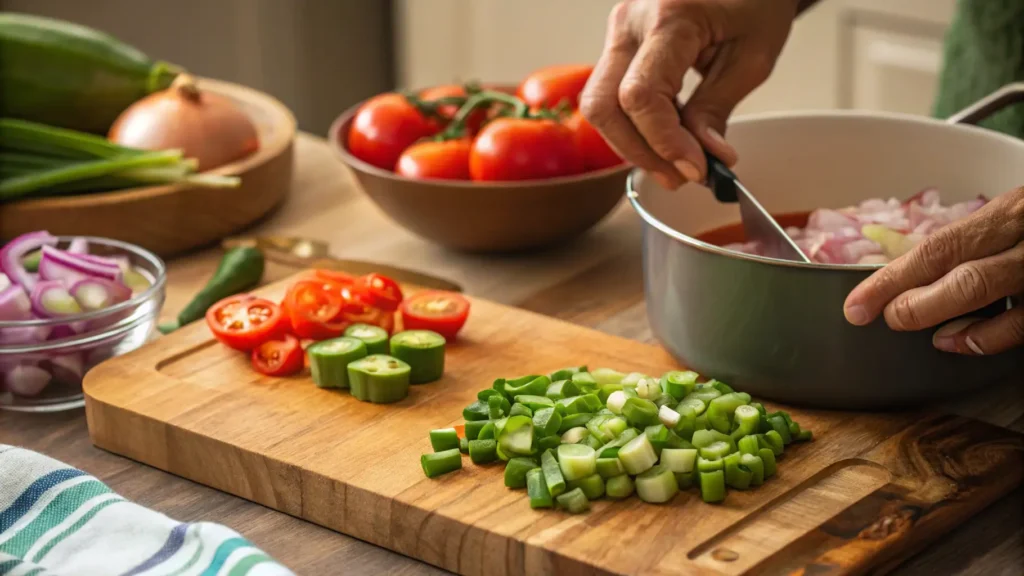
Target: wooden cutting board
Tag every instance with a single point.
(869, 491)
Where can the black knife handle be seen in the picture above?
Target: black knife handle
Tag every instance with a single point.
(720, 179)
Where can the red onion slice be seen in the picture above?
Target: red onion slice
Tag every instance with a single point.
(15, 304)
(98, 293)
(119, 261)
(68, 368)
(79, 246)
(15, 250)
(50, 299)
(5, 282)
(25, 380)
(27, 335)
(70, 268)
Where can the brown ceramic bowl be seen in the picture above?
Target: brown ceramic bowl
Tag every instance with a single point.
(486, 217)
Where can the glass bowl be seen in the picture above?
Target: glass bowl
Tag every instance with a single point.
(101, 335)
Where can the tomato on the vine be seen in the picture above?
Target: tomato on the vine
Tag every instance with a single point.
(596, 152)
(445, 160)
(550, 86)
(314, 307)
(442, 312)
(244, 322)
(279, 357)
(524, 149)
(385, 126)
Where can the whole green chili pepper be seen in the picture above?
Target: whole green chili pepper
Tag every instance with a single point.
(239, 270)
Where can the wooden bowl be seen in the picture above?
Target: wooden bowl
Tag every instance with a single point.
(486, 216)
(168, 220)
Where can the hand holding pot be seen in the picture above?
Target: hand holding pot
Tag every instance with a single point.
(960, 268)
(650, 44)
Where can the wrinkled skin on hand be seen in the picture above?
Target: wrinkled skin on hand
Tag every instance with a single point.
(631, 97)
(960, 268)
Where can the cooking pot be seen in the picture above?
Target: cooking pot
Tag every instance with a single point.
(776, 328)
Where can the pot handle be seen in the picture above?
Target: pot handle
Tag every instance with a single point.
(989, 105)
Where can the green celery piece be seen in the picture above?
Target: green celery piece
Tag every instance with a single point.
(487, 432)
(768, 460)
(535, 402)
(516, 470)
(483, 451)
(566, 373)
(611, 449)
(444, 439)
(438, 463)
(546, 422)
(592, 486)
(573, 421)
(678, 384)
(562, 389)
(721, 410)
(687, 422)
(553, 473)
(704, 393)
(756, 466)
(537, 489)
(476, 411)
(640, 412)
(520, 410)
(575, 501)
(533, 385)
(712, 486)
(721, 387)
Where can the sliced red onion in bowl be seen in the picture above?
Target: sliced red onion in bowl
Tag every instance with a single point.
(5, 282)
(98, 293)
(12, 253)
(70, 268)
(79, 246)
(26, 380)
(15, 304)
(26, 335)
(50, 299)
(68, 368)
(121, 262)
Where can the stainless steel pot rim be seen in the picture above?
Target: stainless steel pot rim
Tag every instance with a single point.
(634, 197)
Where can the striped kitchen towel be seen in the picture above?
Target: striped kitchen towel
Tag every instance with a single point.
(59, 521)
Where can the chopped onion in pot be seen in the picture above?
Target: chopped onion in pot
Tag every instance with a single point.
(874, 232)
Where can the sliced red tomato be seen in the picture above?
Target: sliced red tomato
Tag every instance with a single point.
(244, 322)
(442, 312)
(339, 278)
(314, 307)
(381, 291)
(279, 357)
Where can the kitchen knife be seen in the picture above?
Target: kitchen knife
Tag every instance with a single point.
(305, 253)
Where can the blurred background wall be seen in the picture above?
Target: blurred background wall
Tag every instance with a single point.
(321, 56)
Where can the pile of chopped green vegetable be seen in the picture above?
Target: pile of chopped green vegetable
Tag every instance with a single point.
(575, 435)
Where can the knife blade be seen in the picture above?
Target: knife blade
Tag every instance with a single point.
(306, 253)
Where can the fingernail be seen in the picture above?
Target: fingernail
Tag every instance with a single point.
(857, 315)
(974, 347)
(689, 171)
(945, 338)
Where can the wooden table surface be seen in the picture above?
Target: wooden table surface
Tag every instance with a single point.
(595, 281)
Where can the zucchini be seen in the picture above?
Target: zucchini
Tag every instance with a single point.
(71, 76)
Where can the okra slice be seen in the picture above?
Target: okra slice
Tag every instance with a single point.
(562, 389)
(592, 486)
(553, 473)
(379, 379)
(712, 486)
(444, 439)
(546, 422)
(483, 451)
(438, 463)
(516, 469)
(619, 487)
(537, 489)
(575, 501)
(678, 384)
(329, 360)
(656, 485)
(423, 351)
(375, 337)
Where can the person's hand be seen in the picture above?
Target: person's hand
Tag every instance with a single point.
(960, 268)
(650, 44)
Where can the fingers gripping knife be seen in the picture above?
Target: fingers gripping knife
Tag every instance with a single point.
(758, 224)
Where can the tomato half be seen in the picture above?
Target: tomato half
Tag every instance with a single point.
(524, 149)
(244, 322)
(314, 307)
(385, 126)
(551, 85)
(596, 152)
(442, 312)
(381, 291)
(429, 160)
(279, 357)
